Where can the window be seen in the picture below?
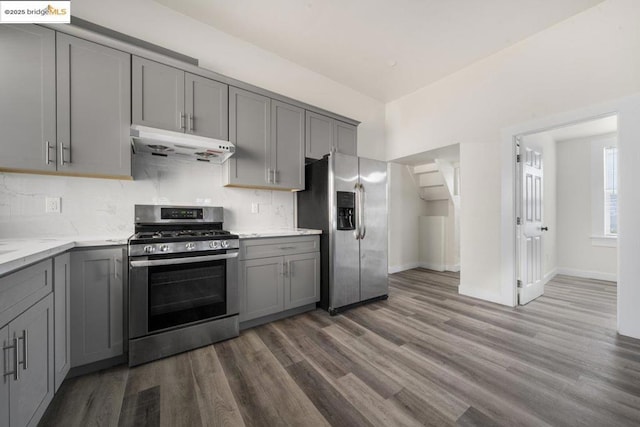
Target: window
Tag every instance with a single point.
(610, 191)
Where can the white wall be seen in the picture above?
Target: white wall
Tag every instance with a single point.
(225, 54)
(576, 253)
(588, 59)
(96, 207)
(405, 208)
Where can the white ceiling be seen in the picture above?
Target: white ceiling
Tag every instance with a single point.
(382, 48)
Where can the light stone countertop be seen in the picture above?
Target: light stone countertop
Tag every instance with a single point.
(274, 232)
(18, 253)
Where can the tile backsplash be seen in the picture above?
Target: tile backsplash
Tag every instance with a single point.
(100, 207)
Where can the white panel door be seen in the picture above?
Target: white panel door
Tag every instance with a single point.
(531, 284)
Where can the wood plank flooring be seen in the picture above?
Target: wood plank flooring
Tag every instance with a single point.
(427, 356)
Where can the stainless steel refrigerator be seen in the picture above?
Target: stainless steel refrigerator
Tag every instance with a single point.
(346, 197)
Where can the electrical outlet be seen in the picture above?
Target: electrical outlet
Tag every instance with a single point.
(52, 205)
(254, 208)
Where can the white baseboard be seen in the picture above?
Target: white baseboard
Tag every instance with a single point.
(455, 268)
(431, 266)
(586, 274)
(547, 277)
(485, 295)
(403, 267)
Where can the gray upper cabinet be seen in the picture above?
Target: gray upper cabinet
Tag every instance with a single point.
(345, 139)
(324, 134)
(319, 135)
(168, 98)
(269, 139)
(158, 95)
(206, 106)
(94, 109)
(250, 131)
(287, 145)
(97, 305)
(28, 101)
(61, 316)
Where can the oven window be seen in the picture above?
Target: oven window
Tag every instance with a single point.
(186, 293)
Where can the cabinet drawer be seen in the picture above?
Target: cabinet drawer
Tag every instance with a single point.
(22, 289)
(261, 248)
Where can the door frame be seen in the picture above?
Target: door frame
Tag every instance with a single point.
(509, 270)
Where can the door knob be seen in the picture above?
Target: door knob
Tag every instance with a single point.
(544, 228)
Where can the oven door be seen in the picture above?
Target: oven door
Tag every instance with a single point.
(170, 292)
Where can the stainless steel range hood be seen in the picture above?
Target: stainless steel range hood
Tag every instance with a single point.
(167, 143)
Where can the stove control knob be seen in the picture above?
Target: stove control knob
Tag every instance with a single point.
(225, 244)
(190, 245)
(164, 248)
(148, 249)
(214, 244)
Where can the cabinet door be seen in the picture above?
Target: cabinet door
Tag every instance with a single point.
(345, 138)
(302, 279)
(7, 365)
(30, 395)
(207, 107)
(319, 135)
(250, 131)
(261, 286)
(93, 108)
(97, 296)
(28, 101)
(61, 317)
(287, 145)
(157, 95)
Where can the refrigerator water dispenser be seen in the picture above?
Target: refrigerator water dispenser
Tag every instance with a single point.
(346, 210)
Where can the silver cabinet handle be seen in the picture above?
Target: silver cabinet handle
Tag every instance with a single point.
(47, 152)
(191, 121)
(181, 125)
(356, 232)
(363, 228)
(187, 260)
(270, 175)
(63, 162)
(284, 269)
(117, 272)
(276, 176)
(15, 374)
(25, 346)
(289, 270)
(283, 248)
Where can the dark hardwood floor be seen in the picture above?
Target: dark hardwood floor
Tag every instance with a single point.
(427, 356)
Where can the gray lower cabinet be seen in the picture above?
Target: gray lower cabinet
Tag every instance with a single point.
(32, 392)
(269, 140)
(93, 109)
(324, 134)
(262, 286)
(7, 362)
(97, 305)
(278, 274)
(169, 98)
(61, 316)
(302, 279)
(28, 101)
(27, 359)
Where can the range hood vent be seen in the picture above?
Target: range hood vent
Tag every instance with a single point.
(167, 143)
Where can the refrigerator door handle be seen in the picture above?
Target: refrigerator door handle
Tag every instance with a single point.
(363, 228)
(356, 232)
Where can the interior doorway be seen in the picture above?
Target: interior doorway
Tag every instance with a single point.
(424, 211)
(566, 205)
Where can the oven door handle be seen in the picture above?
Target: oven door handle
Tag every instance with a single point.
(185, 260)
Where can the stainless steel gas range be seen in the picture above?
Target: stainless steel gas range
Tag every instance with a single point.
(183, 284)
